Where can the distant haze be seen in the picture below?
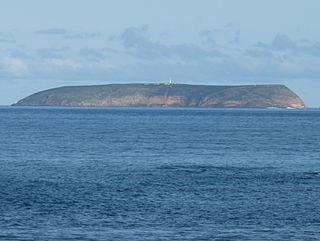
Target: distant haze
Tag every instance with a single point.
(46, 44)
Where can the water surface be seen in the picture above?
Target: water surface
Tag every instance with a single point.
(159, 174)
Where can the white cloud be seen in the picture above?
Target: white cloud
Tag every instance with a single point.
(64, 63)
(14, 66)
(134, 54)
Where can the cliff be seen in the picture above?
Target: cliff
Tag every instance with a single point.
(167, 95)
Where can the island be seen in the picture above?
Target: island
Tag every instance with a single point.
(167, 95)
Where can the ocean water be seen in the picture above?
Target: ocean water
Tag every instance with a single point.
(159, 174)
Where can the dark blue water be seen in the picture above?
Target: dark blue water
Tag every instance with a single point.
(159, 174)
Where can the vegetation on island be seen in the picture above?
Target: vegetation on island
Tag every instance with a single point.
(167, 95)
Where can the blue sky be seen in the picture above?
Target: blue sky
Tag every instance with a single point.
(45, 44)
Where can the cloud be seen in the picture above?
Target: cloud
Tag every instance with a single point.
(75, 70)
(283, 44)
(7, 38)
(258, 53)
(67, 34)
(227, 35)
(137, 42)
(14, 66)
(134, 36)
(137, 55)
(208, 37)
(53, 52)
(82, 35)
(64, 63)
(312, 49)
(90, 54)
(52, 31)
(20, 53)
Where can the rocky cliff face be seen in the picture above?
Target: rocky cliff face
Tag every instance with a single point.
(167, 95)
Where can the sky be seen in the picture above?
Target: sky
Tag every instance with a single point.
(52, 43)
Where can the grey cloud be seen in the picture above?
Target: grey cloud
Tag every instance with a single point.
(67, 34)
(261, 62)
(146, 59)
(258, 53)
(82, 35)
(312, 49)
(52, 52)
(20, 53)
(90, 54)
(261, 45)
(208, 36)
(7, 38)
(134, 36)
(52, 31)
(283, 44)
(304, 41)
(236, 38)
(98, 54)
(227, 34)
(137, 42)
(193, 51)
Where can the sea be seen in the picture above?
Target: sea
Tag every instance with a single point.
(98, 173)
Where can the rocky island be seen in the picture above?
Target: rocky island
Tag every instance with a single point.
(167, 95)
